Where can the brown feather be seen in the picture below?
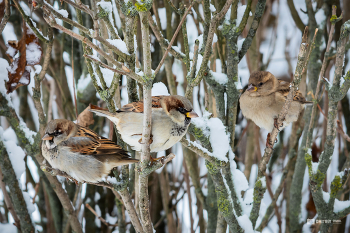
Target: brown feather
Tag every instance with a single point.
(138, 106)
(87, 142)
(284, 88)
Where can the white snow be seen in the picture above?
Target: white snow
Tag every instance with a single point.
(326, 196)
(245, 223)
(106, 6)
(239, 44)
(212, 8)
(97, 196)
(28, 133)
(340, 205)
(28, 200)
(9, 134)
(63, 12)
(33, 54)
(11, 51)
(15, 153)
(314, 167)
(263, 181)
(107, 75)
(219, 77)
(159, 89)
(119, 44)
(8, 228)
(218, 138)
(320, 17)
(240, 13)
(83, 82)
(3, 76)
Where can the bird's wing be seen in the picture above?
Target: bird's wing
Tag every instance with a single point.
(87, 142)
(284, 88)
(138, 106)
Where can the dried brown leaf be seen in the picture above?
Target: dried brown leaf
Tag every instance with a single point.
(30, 53)
(85, 118)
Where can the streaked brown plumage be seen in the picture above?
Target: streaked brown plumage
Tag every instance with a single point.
(80, 152)
(171, 116)
(264, 100)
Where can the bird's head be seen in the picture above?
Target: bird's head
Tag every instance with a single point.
(178, 108)
(57, 131)
(261, 83)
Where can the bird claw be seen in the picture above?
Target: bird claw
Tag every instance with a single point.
(153, 160)
(275, 123)
(73, 180)
(268, 141)
(150, 140)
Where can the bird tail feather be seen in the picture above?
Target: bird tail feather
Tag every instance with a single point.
(100, 111)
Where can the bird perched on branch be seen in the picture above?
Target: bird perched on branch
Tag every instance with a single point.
(171, 116)
(80, 152)
(264, 99)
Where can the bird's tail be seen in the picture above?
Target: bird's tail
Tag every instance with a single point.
(100, 111)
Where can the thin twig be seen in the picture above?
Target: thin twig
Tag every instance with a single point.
(30, 23)
(323, 69)
(80, 6)
(74, 88)
(36, 189)
(8, 202)
(341, 131)
(99, 217)
(173, 39)
(189, 145)
(6, 16)
(124, 70)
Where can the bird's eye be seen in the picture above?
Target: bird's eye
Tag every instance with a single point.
(181, 109)
(260, 84)
(57, 132)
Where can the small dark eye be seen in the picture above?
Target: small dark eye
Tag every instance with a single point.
(57, 132)
(181, 109)
(260, 84)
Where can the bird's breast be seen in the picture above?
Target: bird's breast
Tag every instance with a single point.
(260, 110)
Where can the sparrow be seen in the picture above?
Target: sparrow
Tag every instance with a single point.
(264, 99)
(80, 152)
(171, 116)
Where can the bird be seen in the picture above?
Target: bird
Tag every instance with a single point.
(264, 99)
(171, 116)
(80, 152)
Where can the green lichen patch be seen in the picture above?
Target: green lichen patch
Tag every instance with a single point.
(308, 159)
(223, 203)
(258, 191)
(227, 28)
(347, 76)
(102, 13)
(336, 186)
(333, 19)
(105, 95)
(143, 6)
(212, 169)
(319, 178)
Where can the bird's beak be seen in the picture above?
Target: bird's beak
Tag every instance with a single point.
(252, 88)
(47, 137)
(191, 114)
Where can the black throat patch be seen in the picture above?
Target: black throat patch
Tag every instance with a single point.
(178, 130)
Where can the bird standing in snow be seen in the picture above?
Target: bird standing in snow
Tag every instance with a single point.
(80, 152)
(264, 100)
(171, 116)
